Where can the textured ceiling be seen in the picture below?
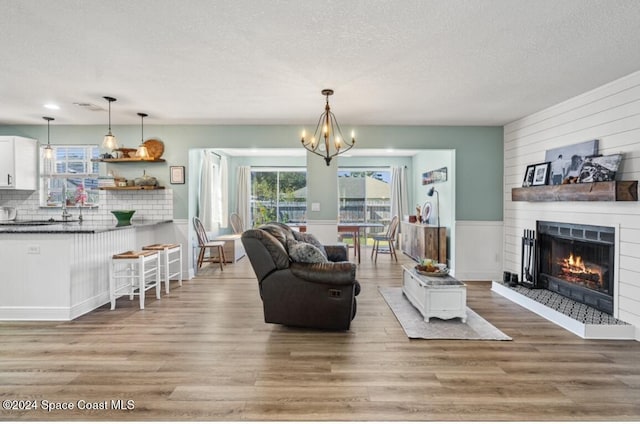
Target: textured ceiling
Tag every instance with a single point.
(390, 62)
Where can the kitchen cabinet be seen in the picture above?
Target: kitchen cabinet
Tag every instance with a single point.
(424, 241)
(18, 163)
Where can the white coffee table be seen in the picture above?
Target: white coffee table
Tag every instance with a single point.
(439, 297)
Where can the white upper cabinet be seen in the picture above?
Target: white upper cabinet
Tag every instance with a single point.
(18, 163)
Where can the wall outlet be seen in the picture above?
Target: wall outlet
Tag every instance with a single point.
(315, 207)
(33, 249)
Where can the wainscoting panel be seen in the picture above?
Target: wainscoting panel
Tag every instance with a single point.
(478, 250)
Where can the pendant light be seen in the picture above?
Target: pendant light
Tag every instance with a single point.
(142, 151)
(48, 150)
(109, 142)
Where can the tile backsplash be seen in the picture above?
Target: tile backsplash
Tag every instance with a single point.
(154, 205)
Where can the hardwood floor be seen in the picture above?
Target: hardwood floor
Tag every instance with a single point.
(204, 353)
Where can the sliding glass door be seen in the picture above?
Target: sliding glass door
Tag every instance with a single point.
(278, 194)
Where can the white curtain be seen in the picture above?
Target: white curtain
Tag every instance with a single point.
(208, 192)
(399, 192)
(223, 182)
(213, 199)
(243, 197)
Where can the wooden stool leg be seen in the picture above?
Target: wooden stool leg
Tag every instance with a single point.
(159, 277)
(112, 285)
(131, 279)
(165, 257)
(220, 256)
(140, 282)
(180, 269)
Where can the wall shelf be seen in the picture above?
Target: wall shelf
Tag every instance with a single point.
(608, 191)
(127, 160)
(133, 188)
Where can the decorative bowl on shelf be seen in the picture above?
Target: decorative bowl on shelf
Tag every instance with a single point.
(123, 217)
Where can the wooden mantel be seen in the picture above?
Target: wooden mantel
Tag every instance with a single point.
(609, 191)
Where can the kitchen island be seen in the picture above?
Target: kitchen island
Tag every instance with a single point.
(59, 271)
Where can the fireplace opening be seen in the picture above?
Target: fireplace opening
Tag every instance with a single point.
(577, 261)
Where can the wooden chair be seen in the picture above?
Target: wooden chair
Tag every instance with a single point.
(236, 223)
(389, 237)
(204, 243)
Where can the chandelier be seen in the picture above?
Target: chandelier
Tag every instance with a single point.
(327, 140)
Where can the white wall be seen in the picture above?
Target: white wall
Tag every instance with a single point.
(611, 114)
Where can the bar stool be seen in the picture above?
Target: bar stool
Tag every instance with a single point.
(140, 270)
(166, 251)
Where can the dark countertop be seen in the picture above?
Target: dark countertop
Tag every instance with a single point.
(75, 227)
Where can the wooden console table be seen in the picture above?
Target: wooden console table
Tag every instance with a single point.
(421, 241)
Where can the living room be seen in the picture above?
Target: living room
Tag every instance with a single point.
(205, 353)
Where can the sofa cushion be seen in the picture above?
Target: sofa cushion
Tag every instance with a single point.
(277, 232)
(300, 251)
(311, 239)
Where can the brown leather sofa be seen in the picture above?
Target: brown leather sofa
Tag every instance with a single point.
(314, 295)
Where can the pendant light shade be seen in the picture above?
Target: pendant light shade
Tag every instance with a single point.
(109, 142)
(48, 150)
(142, 151)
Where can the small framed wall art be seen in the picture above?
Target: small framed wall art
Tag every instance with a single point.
(434, 176)
(177, 174)
(541, 174)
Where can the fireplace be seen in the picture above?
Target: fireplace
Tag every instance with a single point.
(577, 261)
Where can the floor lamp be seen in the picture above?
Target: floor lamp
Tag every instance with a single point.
(430, 194)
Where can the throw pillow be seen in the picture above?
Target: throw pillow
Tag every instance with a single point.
(311, 239)
(305, 252)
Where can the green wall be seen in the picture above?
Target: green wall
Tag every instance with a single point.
(479, 152)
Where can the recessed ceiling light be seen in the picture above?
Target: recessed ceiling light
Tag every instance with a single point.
(52, 106)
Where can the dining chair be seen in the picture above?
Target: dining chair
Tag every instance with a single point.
(236, 223)
(389, 237)
(204, 243)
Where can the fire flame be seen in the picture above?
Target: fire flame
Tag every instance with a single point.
(574, 265)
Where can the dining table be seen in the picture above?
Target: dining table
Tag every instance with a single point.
(354, 228)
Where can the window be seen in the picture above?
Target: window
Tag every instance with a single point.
(73, 177)
(278, 195)
(364, 195)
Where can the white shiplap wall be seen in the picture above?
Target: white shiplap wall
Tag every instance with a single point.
(611, 114)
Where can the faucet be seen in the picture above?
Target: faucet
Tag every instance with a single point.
(65, 213)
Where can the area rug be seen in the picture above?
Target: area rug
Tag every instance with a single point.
(476, 327)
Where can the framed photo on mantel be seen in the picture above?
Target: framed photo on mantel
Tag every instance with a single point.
(528, 176)
(541, 174)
